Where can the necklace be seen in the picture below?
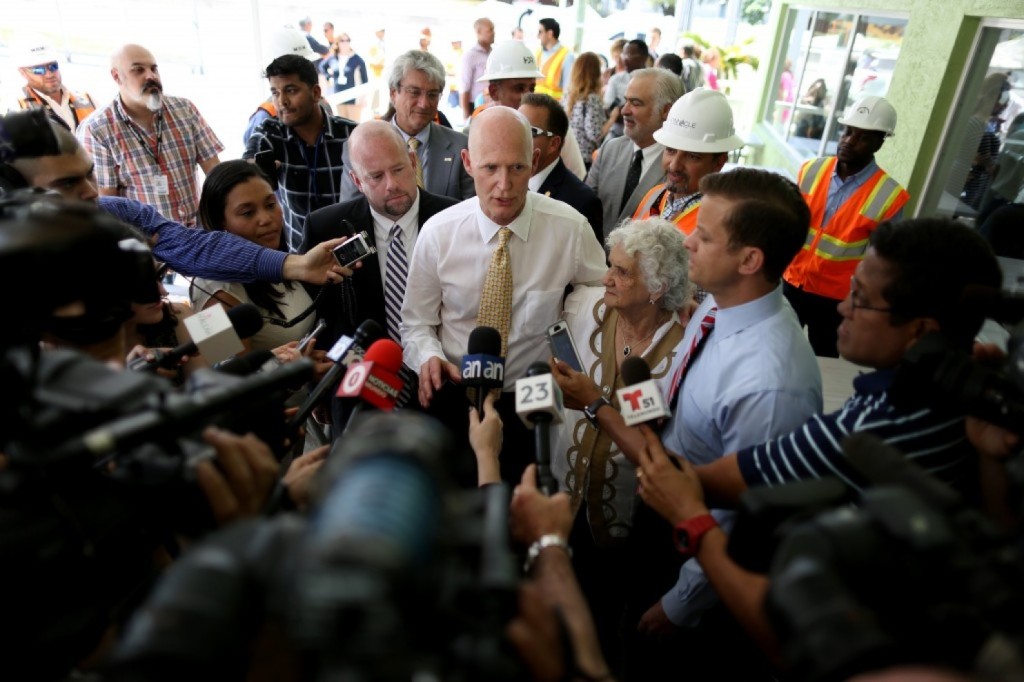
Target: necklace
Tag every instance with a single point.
(628, 348)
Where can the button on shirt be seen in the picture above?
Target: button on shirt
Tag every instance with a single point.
(552, 245)
(755, 378)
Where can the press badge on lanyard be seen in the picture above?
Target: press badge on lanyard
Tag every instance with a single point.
(160, 184)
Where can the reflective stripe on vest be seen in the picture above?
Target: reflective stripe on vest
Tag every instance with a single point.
(829, 256)
(551, 82)
(653, 204)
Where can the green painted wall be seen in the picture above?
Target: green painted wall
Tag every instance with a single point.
(933, 55)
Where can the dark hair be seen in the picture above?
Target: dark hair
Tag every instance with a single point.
(934, 261)
(224, 177)
(672, 62)
(551, 25)
(292, 65)
(768, 213)
(640, 45)
(558, 121)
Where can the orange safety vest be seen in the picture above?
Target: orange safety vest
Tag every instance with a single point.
(81, 106)
(551, 82)
(653, 204)
(830, 255)
(269, 108)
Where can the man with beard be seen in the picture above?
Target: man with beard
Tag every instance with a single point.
(849, 196)
(44, 88)
(146, 146)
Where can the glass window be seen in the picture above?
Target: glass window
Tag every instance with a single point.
(979, 172)
(828, 61)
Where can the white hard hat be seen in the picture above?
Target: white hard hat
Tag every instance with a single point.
(700, 121)
(289, 40)
(871, 113)
(35, 53)
(510, 59)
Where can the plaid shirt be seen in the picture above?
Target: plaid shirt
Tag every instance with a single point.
(124, 155)
(299, 191)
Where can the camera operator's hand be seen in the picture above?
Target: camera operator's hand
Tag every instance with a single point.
(485, 437)
(675, 493)
(301, 473)
(578, 390)
(243, 479)
(533, 514)
(317, 266)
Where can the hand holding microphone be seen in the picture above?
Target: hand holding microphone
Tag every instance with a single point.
(208, 338)
(483, 368)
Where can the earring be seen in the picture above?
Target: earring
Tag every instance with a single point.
(651, 301)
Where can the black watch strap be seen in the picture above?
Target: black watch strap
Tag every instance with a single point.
(590, 411)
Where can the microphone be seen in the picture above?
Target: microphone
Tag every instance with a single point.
(641, 400)
(346, 351)
(375, 380)
(482, 366)
(244, 365)
(538, 404)
(210, 337)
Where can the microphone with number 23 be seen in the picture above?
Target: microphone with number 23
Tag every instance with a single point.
(539, 404)
(483, 367)
(641, 400)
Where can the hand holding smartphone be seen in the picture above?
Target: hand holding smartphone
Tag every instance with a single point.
(562, 346)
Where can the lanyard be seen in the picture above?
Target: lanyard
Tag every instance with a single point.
(154, 153)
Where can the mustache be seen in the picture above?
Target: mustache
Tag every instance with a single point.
(151, 86)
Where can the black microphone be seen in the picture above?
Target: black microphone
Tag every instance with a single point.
(244, 365)
(482, 366)
(346, 351)
(245, 319)
(538, 404)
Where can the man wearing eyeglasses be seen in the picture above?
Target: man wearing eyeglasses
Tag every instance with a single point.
(416, 83)
(44, 88)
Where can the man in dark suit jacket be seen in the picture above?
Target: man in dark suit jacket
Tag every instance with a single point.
(551, 178)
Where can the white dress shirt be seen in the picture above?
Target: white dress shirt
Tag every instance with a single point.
(553, 245)
(410, 224)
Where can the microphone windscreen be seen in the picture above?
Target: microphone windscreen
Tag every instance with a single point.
(244, 365)
(246, 320)
(634, 370)
(484, 341)
(536, 369)
(368, 332)
(386, 353)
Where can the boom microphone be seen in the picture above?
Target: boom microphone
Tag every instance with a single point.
(641, 400)
(483, 367)
(538, 404)
(245, 322)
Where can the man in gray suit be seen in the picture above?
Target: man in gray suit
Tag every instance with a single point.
(416, 82)
(627, 167)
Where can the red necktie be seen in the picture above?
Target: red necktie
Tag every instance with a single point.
(706, 325)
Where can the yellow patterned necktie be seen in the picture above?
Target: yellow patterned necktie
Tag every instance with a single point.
(496, 298)
(414, 146)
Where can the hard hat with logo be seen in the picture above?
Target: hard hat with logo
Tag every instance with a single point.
(288, 40)
(510, 59)
(700, 121)
(34, 53)
(871, 113)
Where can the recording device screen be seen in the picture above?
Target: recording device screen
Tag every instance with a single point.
(353, 249)
(562, 346)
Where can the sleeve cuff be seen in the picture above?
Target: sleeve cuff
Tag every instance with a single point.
(269, 265)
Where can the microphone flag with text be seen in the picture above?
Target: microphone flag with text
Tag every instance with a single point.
(539, 404)
(209, 339)
(483, 368)
(641, 400)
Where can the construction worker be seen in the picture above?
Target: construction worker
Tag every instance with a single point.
(849, 195)
(555, 60)
(698, 136)
(510, 73)
(44, 89)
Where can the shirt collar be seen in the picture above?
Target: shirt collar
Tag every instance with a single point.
(520, 226)
(539, 179)
(410, 218)
(655, 148)
(861, 175)
(423, 136)
(729, 321)
(62, 102)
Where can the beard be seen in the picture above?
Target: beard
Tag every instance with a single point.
(154, 100)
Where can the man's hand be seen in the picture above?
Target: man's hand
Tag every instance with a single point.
(433, 372)
(578, 390)
(244, 479)
(317, 266)
(532, 514)
(674, 493)
(301, 473)
(485, 437)
(535, 634)
(655, 623)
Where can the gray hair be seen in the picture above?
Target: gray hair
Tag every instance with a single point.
(416, 60)
(667, 86)
(657, 246)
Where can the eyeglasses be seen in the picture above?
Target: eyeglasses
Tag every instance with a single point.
(854, 298)
(539, 132)
(416, 93)
(41, 70)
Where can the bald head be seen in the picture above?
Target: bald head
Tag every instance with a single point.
(500, 158)
(383, 168)
(500, 127)
(134, 69)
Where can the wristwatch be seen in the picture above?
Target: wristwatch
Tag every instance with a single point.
(687, 534)
(590, 411)
(542, 543)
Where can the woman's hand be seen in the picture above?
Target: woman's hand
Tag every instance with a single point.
(578, 389)
(149, 354)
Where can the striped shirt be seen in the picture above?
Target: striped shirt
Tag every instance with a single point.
(933, 441)
(299, 191)
(137, 162)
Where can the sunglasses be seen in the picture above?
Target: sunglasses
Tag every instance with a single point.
(43, 68)
(538, 132)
